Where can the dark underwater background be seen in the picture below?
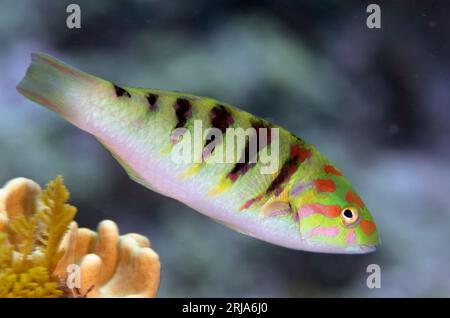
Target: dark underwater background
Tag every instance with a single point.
(375, 101)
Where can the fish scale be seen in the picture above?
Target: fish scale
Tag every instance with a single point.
(305, 203)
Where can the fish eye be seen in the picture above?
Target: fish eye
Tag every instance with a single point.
(349, 216)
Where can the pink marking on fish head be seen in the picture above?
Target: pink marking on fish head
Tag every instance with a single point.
(324, 231)
(351, 237)
(298, 188)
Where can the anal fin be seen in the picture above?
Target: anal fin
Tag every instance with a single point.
(233, 227)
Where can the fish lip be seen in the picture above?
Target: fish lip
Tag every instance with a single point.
(367, 249)
(360, 249)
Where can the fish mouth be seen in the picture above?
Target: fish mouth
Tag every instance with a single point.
(364, 249)
(359, 249)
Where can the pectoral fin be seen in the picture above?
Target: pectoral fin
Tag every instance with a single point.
(277, 208)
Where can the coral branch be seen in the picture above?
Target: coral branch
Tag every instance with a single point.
(39, 242)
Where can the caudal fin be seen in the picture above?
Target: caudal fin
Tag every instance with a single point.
(56, 85)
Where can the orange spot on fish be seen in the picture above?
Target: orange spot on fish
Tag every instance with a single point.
(300, 152)
(368, 227)
(352, 197)
(330, 211)
(332, 170)
(324, 185)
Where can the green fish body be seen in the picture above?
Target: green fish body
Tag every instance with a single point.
(175, 144)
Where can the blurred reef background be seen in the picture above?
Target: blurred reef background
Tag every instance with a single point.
(376, 102)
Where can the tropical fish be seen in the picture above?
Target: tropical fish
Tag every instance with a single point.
(305, 203)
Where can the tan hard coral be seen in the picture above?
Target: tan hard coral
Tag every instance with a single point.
(43, 253)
